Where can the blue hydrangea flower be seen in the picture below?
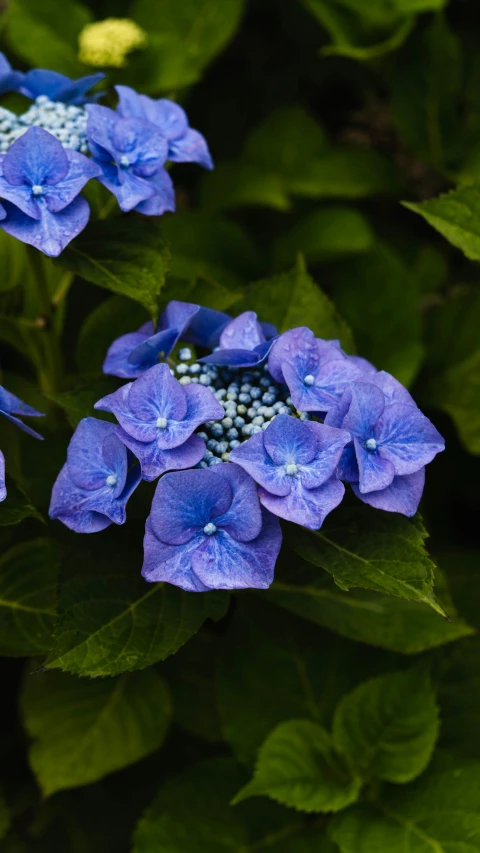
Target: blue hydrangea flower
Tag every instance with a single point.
(131, 153)
(10, 406)
(157, 417)
(207, 531)
(58, 87)
(97, 480)
(294, 464)
(10, 80)
(315, 371)
(392, 442)
(40, 182)
(243, 342)
(185, 145)
(131, 355)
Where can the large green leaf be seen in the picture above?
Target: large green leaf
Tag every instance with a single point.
(294, 299)
(456, 215)
(84, 729)
(236, 183)
(126, 255)
(387, 727)
(345, 173)
(287, 139)
(440, 813)
(298, 767)
(28, 579)
(384, 552)
(112, 621)
(459, 698)
(325, 234)
(16, 507)
(114, 316)
(34, 33)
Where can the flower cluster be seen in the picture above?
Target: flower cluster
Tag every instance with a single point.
(10, 408)
(61, 142)
(260, 426)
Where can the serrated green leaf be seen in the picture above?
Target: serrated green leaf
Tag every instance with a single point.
(324, 235)
(82, 730)
(298, 767)
(33, 32)
(368, 617)
(111, 621)
(292, 299)
(384, 552)
(440, 813)
(456, 215)
(16, 507)
(387, 727)
(125, 255)
(28, 586)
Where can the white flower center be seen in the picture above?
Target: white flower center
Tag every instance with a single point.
(291, 469)
(111, 480)
(309, 379)
(162, 423)
(371, 444)
(37, 189)
(210, 529)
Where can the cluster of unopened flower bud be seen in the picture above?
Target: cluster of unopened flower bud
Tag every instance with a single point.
(250, 397)
(66, 122)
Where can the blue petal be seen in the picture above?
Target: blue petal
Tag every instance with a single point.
(299, 346)
(242, 333)
(101, 123)
(156, 460)
(141, 143)
(407, 438)
(128, 189)
(56, 86)
(35, 158)
(151, 348)
(53, 231)
(243, 519)
(3, 488)
(81, 170)
(65, 506)
(168, 116)
(185, 501)
(94, 453)
(307, 507)
(254, 459)
(12, 404)
(403, 495)
(165, 563)
(9, 80)
(21, 425)
(367, 403)
(329, 381)
(164, 199)
(117, 361)
(191, 148)
(206, 327)
(289, 440)
(375, 472)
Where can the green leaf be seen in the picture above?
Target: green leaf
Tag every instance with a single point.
(388, 726)
(14, 262)
(183, 38)
(292, 299)
(235, 183)
(287, 139)
(28, 586)
(16, 507)
(438, 813)
(82, 730)
(114, 316)
(34, 33)
(298, 767)
(459, 697)
(79, 402)
(456, 215)
(345, 173)
(125, 255)
(324, 235)
(457, 392)
(380, 551)
(378, 296)
(112, 621)
(368, 617)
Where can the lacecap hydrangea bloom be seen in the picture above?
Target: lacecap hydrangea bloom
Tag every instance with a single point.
(12, 409)
(253, 427)
(66, 139)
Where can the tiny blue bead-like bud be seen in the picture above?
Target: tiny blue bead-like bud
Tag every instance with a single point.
(185, 380)
(278, 405)
(289, 401)
(244, 397)
(269, 412)
(181, 369)
(239, 422)
(222, 446)
(184, 354)
(256, 393)
(309, 379)
(212, 444)
(265, 382)
(247, 429)
(232, 395)
(256, 404)
(203, 435)
(251, 412)
(235, 443)
(256, 428)
(195, 368)
(210, 529)
(242, 410)
(246, 388)
(204, 379)
(217, 430)
(304, 416)
(258, 421)
(220, 393)
(227, 423)
(269, 398)
(202, 464)
(371, 444)
(232, 434)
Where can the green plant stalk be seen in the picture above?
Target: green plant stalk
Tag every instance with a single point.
(49, 371)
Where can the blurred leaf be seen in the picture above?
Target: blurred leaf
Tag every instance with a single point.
(83, 729)
(298, 767)
(14, 262)
(456, 215)
(16, 507)
(183, 38)
(4, 817)
(327, 233)
(460, 699)
(287, 139)
(28, 587)
(380, 551)
(293, 299)
(388, 726)
(237, 184)
(79, 402)
(34, 33)
(378, 296)
(440, 812)
(458, 394)
(127, 255)
(368, 617)
(345, 173)
(112, 621)
(114, 316)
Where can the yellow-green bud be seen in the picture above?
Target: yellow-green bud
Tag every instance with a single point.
(107, 43)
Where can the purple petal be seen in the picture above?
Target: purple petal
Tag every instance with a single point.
(330, 446)
(12, 404)
(164, 199)
(56, 86)
(90, 460)
(308, 507)
(347, 467)
(287, 440)
(191, 148)
(156, 393)
(36, 157)
(128, 189)
(170, 563)
(185, 501)
(296, 344)
(328, 384)
(221, 562)
(21, 425)
(233, 358)
(53, 231)
(393, 390)
(21, 197)
(3, 488)
(117, 361)
(140, 142)
(244, 332)
(243, 519)
(130, 103)
(81, 170)
(206, 327)
(64, 506)
(407, 438)
(100, 128)
(254, 459)
(367, 403)
(154, 347)
(168, 116)
(375, 472)
(156, 460)
(403, 495)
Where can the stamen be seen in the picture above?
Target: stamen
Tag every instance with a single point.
(210, 529)
(162, 423)
(309, 379)
(37, 189)
(291, 469)
(111, 480)
(371, 444)
(124, 161)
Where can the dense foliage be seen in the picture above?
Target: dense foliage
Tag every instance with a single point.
(336, 709)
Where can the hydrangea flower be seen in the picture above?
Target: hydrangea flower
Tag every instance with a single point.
(58, 87)
(206, 530)
(294, 464)
(243, 342)
(392, 443)
(131, 354)
(97, 480)
(10, 407)
(157, 417)
(185, 145)
(131, 153)
(40, 182)
(10, 80)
